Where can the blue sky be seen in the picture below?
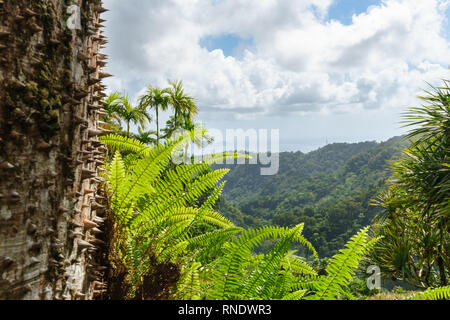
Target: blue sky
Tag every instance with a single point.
(230, 44)
(340, 10)
(343, 10)
(446, 25)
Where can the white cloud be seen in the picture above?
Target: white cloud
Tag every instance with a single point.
(299, 63)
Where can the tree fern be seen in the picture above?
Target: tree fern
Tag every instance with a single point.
(150, 201)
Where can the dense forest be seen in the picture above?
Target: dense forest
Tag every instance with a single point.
(329, 189)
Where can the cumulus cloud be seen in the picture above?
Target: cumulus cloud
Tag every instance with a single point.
(299, 61)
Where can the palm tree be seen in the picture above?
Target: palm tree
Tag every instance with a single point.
(184, 110)
(131, 114)
(180, 102)
(145, 136)
(155, 98)
(190, 110)
(112, 107)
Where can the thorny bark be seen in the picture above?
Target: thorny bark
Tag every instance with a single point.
(50, 157)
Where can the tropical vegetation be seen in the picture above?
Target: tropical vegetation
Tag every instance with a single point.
(121, 112)
(415, 222)
(161, 226)
(169, 239)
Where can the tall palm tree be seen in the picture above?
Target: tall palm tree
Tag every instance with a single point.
(189, 112)
(131, 114)
(112, 106)
(184, 109)
(190, 109)
(155, 98)
(180, 102)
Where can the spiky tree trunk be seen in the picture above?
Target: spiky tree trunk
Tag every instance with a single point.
(50, 202)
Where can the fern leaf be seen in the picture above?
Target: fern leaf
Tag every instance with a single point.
(441, 293)
(342, 266)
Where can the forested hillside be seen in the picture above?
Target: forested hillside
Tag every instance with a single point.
(329, 189)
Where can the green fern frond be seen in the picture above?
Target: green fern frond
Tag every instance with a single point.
(342, 267)
(296, 295)
(298, 266)
(121, 143)
(117, 174)
(441, 293)
(261, 282)
(189, 286)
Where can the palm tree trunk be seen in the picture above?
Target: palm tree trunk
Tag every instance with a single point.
(175, 126)
(157, 126)
(44, 124)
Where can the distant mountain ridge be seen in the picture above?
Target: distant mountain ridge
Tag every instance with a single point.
(329, 189)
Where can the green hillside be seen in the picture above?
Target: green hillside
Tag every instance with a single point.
(329, 189)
